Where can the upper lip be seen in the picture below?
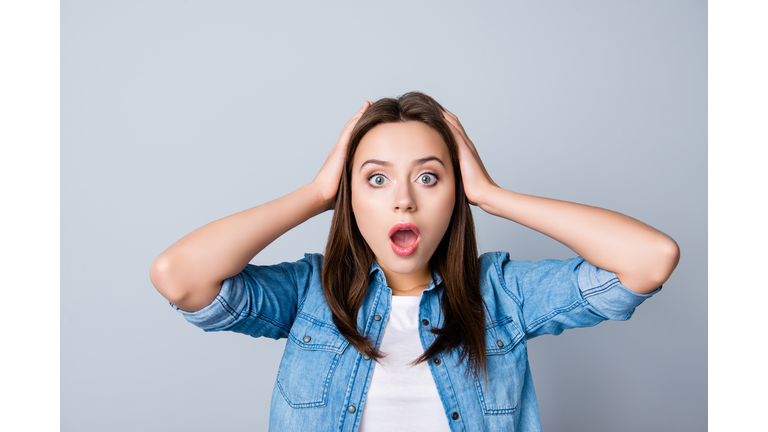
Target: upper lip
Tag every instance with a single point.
(403, 226)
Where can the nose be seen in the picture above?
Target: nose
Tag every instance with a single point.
(403, 198)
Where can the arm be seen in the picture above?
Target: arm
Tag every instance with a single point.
(190, 272)
(642, 257)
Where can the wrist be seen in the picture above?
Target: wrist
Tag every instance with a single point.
(485, 197)
(492, 197)
(321, 199)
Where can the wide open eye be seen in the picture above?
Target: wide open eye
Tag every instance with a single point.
(377, 180)
(427, 179)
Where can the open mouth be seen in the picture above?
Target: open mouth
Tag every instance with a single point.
(404, 238)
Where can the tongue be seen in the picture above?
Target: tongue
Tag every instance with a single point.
(404, 238)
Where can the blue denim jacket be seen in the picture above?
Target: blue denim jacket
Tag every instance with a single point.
(322, 380)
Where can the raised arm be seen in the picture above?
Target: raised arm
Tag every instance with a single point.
(642, 257)
(190, 272)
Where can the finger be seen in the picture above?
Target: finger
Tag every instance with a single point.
(451, 118)
(459, 133)
(365, 106)
(353, 121)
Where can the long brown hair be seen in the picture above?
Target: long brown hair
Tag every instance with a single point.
(348, 257)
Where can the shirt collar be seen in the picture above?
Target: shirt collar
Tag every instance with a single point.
(375, 272)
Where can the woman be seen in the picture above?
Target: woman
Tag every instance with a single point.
(400, 326)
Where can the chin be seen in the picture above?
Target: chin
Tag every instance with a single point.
(402, 265)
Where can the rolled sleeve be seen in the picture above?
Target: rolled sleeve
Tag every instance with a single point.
(554, 295)
(260, 300)
(605, 293)
(221, 313)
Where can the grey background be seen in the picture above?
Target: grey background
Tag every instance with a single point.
(177, 113)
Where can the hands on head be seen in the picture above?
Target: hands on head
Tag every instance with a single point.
(475, 176)
(327, 180)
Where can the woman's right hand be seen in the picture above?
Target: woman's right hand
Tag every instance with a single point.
(190, 272)
(327, 180)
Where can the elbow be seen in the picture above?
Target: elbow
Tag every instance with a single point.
(161, 275)
(667, 258)
(652, 268)
(173, 282)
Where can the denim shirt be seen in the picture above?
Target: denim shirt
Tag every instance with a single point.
(322, 381)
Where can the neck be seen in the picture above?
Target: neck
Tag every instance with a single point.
(408, 284)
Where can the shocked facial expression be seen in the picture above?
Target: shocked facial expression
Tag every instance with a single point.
(403, 193)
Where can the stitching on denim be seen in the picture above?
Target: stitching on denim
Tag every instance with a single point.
(315, 321)
(494, 349)
(348, 395)
(484, 406)
(502, 282)
(499, 323)
(535, 324)
(600, 288)
(230, 310)
(309, 258)
(339, 343)
(452, 393)
(522, 311)
(270, 320)
(326, 385)
(319, 347)
(369, 320)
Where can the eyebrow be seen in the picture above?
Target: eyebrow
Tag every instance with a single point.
(421, 161)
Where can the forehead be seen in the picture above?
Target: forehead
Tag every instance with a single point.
(401, 142)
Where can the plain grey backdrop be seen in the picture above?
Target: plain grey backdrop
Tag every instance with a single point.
(177, 113)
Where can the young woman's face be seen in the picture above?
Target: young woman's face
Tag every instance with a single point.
(403, 193)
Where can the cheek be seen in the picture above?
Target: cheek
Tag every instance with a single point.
(358, 202)
(446, 210)
(364, 213)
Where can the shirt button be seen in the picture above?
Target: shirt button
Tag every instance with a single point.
(499, 343)
(436, 361)
(377, 317)
(455, 416)
(307, 338)
(352, 410)
(366, 357)
(425, 322)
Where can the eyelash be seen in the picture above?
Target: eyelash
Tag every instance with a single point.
(437, 178)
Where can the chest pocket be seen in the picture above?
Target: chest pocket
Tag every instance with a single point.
(311, 355)
(505, 362)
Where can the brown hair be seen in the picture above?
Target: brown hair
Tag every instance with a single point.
(348, 257)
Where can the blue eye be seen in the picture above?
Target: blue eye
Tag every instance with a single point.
(427, 179)
(377, 180)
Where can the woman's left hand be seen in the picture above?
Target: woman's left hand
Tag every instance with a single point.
(641, 256)
(476, 178)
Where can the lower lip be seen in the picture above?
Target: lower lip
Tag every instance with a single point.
(407, 250)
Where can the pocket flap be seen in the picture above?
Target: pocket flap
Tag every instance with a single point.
(501, 336)
(311, 334)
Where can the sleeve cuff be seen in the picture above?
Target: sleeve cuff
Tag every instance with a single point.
(602, 289)
(220, 313)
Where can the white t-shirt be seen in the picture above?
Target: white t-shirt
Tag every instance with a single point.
(403, 397)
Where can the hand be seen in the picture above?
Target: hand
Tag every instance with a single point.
(327, 180)
(475, 176)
